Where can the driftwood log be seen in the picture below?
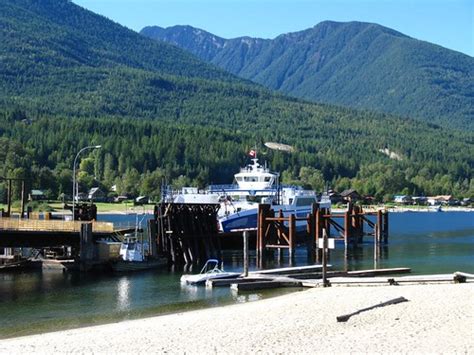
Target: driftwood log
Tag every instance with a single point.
(345, 317)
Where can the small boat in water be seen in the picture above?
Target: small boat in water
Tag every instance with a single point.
(133, 257)
(210, 271)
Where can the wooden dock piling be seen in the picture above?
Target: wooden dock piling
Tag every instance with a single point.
(187, 233)
(275, 232)
(86, 247)
(279, 232)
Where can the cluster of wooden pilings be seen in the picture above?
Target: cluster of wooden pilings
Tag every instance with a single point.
(278, 232)
(186, 233)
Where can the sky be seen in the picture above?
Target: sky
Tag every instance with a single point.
(449, 23)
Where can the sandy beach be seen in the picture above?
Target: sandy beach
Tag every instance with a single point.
(437, 319)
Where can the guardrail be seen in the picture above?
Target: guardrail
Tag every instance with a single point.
(16, 224)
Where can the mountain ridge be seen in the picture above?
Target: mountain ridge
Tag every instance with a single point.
(354, 64)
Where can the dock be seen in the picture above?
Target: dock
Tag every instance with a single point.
(79, 240)
(276, 232)
(392, 277)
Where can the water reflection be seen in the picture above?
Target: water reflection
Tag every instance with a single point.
(123, 294)
(239, 298)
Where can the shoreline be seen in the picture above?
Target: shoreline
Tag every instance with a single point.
(437, 318)
(389, 209)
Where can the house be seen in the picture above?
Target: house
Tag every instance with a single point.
(420, 200)
(441, 200)
(334, 196)
(369, 200)
(403, 199)
(96, 194)
(36, 195)
(350, 195)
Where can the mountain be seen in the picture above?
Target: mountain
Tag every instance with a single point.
(70, 78)
(355, 64)
(57, 57)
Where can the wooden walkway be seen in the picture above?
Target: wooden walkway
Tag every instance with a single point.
(32, 225)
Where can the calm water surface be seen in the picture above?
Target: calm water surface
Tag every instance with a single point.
(37, 301)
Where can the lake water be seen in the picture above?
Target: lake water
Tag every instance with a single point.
(36, 301)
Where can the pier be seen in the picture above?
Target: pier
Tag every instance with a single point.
(79, 237)
(187, 233)
(16, 232)
(278, 232)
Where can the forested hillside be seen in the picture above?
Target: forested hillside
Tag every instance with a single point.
(360, 65)
(73, 78)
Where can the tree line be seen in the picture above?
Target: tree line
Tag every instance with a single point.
(138, 156)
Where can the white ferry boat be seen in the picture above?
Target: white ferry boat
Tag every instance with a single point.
(255, 184)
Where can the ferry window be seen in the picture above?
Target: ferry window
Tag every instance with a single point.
(250, 178)
(267, 178)
(305, 201)
(239, 178)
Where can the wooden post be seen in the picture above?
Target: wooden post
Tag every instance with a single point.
(356, 224)
(279, 236)
(87, 246)
(310, 237)
(385, 227)
(151, 231)
(347, 226)
(325, 258)
(263, 210)
(318, 231)
(245, 236)
(361, 225)
(375, 246)
(260, 230)
(379, 226)
(292, 236)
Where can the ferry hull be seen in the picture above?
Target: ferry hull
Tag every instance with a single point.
(248, 219)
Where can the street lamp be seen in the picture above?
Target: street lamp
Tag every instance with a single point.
(74, 187)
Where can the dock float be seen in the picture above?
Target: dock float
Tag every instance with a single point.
(412, 279)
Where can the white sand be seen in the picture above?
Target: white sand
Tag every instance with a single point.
(437, 319)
